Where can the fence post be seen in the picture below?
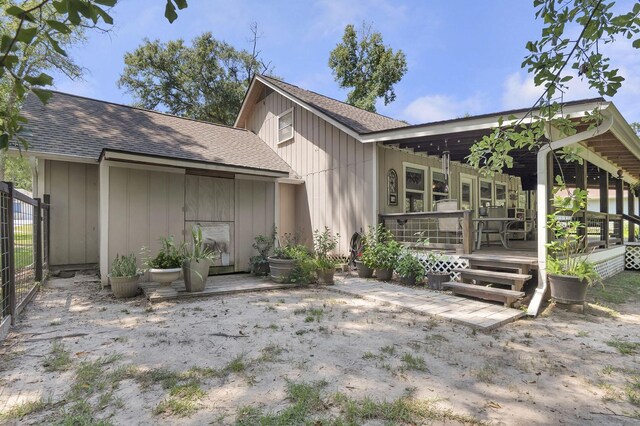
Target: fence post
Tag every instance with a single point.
(467, 232)
(604, 231)
(47, 229)
(37, 222)
(6, 278)
(11, 255)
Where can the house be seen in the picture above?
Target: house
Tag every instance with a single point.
(119, 177)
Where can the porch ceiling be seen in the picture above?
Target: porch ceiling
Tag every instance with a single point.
(609, 147)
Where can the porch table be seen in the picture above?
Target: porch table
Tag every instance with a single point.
(504, 222)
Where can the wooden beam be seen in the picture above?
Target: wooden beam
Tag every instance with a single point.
(631, 211)
(619, 196)
(604, 191)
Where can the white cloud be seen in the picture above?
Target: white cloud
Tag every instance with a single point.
(441, 107)
(519, 91)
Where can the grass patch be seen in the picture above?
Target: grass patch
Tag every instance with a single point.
(24, 409)
(621, 288)
(624, 347)
(183, 401)
(58, 359)
(632, 390)
(486, 374)
(413, 362)
(388, 350)
(308, 405)
(236, 365)
(270, 353)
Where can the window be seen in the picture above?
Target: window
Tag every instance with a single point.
(414, 178)
(501, 194)
(486, 193)
(439, 188)
(285, 126)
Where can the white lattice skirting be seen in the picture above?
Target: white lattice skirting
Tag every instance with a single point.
(632, 257)
(446, 263)
(610, 267)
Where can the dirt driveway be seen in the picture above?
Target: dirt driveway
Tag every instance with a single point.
(78, 356)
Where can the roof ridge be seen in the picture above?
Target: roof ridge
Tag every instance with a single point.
(333, 99)
(145, 110)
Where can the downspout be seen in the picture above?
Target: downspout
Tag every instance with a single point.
(541, 200)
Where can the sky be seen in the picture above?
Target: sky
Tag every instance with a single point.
(463, 56)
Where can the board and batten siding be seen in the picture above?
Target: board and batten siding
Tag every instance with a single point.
(393, 158)
(144, 205)
(337, 170)
(254, 215)
(74, 191)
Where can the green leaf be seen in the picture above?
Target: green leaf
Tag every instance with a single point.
(170, 12)
(56, 46)
(39, 80)
(58, 26)
(61, 6)
(43, 95)
(4, 141)
(104, 15)
(636, 43)
(14, 11)
(182, 4)
(26, 35)
(5, 41)
(108, 3)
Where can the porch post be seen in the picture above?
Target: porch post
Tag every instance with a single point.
(581, 183)
(542, 189)
(631, 204)
(103, 220)
(604, 191)
(619, 210)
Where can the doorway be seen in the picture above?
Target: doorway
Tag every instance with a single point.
(468, 198)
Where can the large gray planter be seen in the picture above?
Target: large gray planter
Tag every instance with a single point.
(195, 274)
(384, 274)
(363, 270)
(124, 287)
(165, 277)
(436, 279)
(567, 289)
(281, 269)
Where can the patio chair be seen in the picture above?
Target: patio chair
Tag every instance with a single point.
(447, 225)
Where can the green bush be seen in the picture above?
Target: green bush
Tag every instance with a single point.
(409, 265)
(170, 255)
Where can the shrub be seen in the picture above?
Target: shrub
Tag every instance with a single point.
(170, 255)
(124, 266)
(409, 265)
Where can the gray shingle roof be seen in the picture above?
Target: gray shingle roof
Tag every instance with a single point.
(82, 127)
(359, 120)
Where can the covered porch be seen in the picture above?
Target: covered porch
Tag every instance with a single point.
(610, 172)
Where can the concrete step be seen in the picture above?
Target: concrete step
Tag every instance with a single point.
(486, 293)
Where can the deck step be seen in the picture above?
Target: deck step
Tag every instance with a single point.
(516, 281)
(506, 265)
(486, 293)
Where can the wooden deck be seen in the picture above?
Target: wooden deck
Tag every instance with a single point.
(218, 285)
(472, 313)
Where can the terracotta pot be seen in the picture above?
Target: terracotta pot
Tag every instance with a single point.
(281, 269)
(436, 279)
(123, 287)
(195, 274)
(363, 270)
(567, 289)
(383, 274)
(325, 276)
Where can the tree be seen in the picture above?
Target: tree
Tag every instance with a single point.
(636, 127)
(548, 61)
(26, 26)
(365, 64)
(205, 81)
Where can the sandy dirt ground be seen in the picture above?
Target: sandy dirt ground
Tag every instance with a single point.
(79, 352)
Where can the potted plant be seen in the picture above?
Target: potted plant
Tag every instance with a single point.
(569, 272)
(435, 278)
(165, 267)
(409, 268)
(124, 276)
(260, 262)
(386, 258)
(197, 262)
(323, 243)
(365, 260)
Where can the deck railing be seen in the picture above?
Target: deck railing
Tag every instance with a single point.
(449, 230)
(24, 250)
